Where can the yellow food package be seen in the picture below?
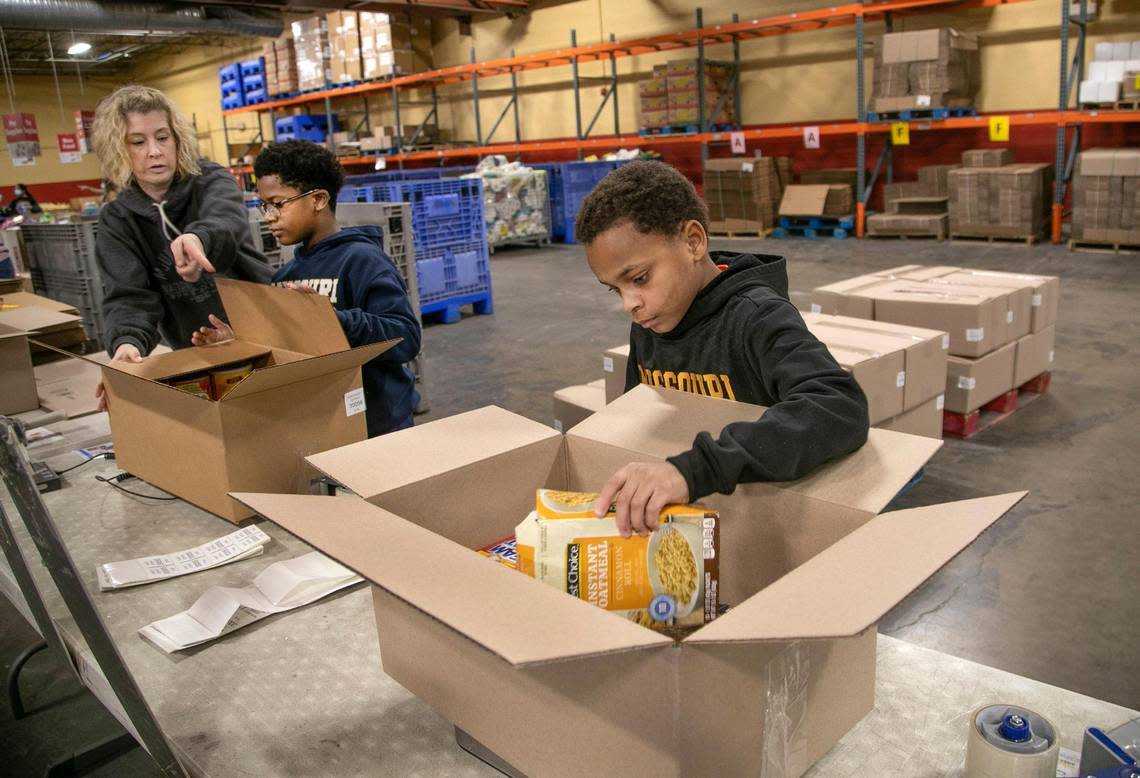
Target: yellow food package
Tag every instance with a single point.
(666, 579)
(502, 551)
(227, 378)
(199, 385)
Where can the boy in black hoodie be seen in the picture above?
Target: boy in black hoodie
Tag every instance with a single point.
(717, 324)
(297, 182)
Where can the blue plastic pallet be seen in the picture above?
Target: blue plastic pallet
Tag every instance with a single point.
(252, 67)
(914, 114)
(229, 102)
(817, 222)
(252, 82)
(453, 277)
(315, 136)
(448, 311)
(305, 122)
(255, 96)
(231, 72)
(684, 129)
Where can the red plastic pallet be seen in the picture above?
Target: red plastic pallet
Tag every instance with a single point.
(967, 425)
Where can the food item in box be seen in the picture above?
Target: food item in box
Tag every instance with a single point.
(665, 580)
(226, 378)
(504, 551)
(198, 385)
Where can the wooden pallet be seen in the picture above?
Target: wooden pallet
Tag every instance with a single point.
(764, 233)
(907, 236)
(1096, 247)
(967, 425)
(1028, 240)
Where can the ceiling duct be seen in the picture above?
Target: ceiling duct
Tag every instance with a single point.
(147, 17)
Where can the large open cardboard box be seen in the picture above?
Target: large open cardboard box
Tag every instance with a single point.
(17, 382)
(558, 687)
(303, 396)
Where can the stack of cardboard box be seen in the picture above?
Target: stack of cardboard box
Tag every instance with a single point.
(918, 208)
(743, 194)
(938, 68)
(836, 175)
(653, 98)
(344, 47)
(992, 197)
(55, 323)
(1106, 197)
(683, 87)
(311, 45)
(1000, 325)
(393, 45)
(280, 66)
(1113, 74)
(805, 200)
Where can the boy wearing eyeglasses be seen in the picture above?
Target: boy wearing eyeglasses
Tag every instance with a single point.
(297, 182)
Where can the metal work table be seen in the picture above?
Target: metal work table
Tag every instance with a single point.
(303, 693)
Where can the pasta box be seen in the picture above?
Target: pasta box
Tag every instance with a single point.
(558, 687)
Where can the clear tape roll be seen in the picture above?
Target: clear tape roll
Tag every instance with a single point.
(989, 760)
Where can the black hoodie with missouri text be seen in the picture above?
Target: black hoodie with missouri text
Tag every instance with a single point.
(743, 340)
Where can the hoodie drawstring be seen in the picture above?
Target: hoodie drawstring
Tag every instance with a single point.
(167, 225)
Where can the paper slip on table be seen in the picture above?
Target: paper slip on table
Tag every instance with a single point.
(303, 693)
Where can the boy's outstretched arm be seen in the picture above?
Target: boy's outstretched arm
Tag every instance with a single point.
(385, 313)
(820, 413)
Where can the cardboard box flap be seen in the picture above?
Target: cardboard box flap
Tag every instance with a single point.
(850, 585)
(661, 422)
(185, 361)
(804, 199)
(302, 370)
(35, 319)
(407, 456)
(292, 320)
(477, 597)
(26, 299)
(11, 332)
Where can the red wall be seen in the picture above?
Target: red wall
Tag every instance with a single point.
(53, 193)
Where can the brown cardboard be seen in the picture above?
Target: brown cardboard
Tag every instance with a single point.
(915, 272)
(1034, 355)
(840, 299)
(1020, 298)
(17, 381)
(804, 200)
(807, 585)
(572, 404)
(878, 364)
(924, 351)
(1044, 300)
(971, 383)
(613, 365)
(256, 436)
(925, 420)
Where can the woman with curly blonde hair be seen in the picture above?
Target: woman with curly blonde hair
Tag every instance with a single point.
(175, 216)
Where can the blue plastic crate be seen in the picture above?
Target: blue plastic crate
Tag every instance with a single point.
(229, 102)
(568, 184)
(253, 83)
(252, 67)
(457, 271)
(445, 212)
(254, 96)
(231, 88)
(231, 72)
(316, 136)
(413, 174)
(304, 121)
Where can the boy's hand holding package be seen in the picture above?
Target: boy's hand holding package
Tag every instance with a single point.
(190, 257)
(639, 492)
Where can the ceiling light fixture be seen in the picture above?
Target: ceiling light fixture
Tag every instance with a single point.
(78, 49)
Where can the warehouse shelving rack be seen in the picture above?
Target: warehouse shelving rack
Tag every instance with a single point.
(849, 14)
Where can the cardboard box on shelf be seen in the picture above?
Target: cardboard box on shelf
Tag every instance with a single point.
(1106, 196)
(987, 157)
(572, 404)
(841, 175)
(17, 380)
(485, 646)
(655, 118)
(925, 420)
(908, 224)
(653, 87)
(613, 366)
(304, 396)
(817, 200)
(1034, 355)
(971, 383)
(935, 180)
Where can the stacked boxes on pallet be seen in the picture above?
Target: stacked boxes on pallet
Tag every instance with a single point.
(229, 83)
(807, 200)
(311, 45)
(684, 93)
(939, 68)
(1000, 326)
(743, 194)
(280, 67)
(452, 258)
(1106, 197)
(1113, 75)
(392, 45)
(918, 208)
(653, 98)
(990, 196)
(61, 260)
(253, 84)
(345, 64)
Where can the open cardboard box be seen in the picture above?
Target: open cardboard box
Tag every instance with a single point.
(304, 396)
(556, 686)
(17, 381)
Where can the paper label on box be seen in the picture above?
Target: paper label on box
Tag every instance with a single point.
(922, 101)
(940, 403)
(381, 163)
(354, 402)
(1050, 357)
(746, 167)
(945, 342)
(975, 335)
(900, 379)
(1035, 301)
(608, 364)
(1009, 317)
(816, 308)
(967, 383)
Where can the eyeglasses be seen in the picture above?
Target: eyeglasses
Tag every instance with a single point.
(274, 209)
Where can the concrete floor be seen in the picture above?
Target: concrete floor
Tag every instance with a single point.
(1049, 592)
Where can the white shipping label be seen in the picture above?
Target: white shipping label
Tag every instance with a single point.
(967, 383)
(746, 167)
(816, 308)
(945, 342)
(1009, 317)
(940, 403)
(608, 364)
(922, 101)
(975, 335)
(1035, 301)
(354, 402)
(900, 380)
(1050, 357)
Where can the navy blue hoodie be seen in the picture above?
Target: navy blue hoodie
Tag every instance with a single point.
(352, 270)
(741, 339)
